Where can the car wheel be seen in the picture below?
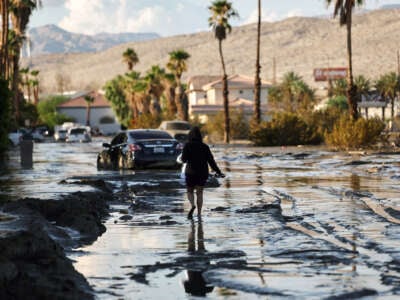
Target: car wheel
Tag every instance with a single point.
(100, 162)
(121, 162)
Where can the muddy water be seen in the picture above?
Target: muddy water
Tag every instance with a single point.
(301, 223)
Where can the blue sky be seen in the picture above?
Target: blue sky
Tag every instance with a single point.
(167, 17)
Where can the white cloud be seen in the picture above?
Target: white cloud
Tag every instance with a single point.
(266, 16)
(270, 16)
(47, 3)
(93, 16)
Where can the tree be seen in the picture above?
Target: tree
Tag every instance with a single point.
(35, 85)
(257, 80)
(89, 99)
(4, 62)
(388, 85)
(177, 65)
(114, 92)
(130, 57)
(47, 110)
(131, 90)
(344, 8)
(20, 12)
(24, 81)
(292, 95)
(154, 80)
(221, 11)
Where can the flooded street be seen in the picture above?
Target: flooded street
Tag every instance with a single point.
(301, 223)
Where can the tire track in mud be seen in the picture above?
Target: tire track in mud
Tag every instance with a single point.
(367, 252)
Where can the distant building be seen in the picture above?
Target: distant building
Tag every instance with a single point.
(373, 104)
(205, 95)
(102, 116)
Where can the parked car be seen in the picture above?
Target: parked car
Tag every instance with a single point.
(37, 135)
(60, 135)
(140, 148)
(15, 136)
(178, 129)
(78, 134)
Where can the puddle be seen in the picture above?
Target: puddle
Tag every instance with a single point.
(297, 223)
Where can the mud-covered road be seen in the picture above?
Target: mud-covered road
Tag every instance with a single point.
(301, 223)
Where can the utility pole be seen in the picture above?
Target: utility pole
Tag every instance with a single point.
(398, 63)
(274, 70)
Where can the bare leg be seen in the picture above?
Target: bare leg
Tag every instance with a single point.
(199, 198)
(190, 195)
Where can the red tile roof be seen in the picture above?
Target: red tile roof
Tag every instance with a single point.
(99, 101)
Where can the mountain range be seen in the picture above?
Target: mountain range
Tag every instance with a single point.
(297, 44)
(50, 39)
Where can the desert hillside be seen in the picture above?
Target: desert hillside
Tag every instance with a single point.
(296, 44)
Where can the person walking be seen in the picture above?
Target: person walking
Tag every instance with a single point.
(197, 156)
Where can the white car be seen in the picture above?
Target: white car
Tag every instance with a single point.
(60, 135)
(78, 134)
(178, 129)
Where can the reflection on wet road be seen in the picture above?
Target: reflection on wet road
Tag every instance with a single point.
(302, 223)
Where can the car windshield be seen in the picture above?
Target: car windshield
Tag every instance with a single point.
(78, 131)
(153, 134)
(178, 126)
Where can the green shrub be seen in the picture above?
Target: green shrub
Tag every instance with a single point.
(339, 102)
(48, 114)
(239, 126)
(352, 134)
(323, 121)
(284, 129)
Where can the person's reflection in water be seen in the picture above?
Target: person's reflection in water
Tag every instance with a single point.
(195, 283)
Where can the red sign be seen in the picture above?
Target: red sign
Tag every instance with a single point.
(325, 74)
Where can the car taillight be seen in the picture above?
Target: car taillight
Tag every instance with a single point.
(134, 147)
(179, 146)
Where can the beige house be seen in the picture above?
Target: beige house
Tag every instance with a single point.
(205, 95)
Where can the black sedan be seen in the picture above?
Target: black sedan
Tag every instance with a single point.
(140, 148)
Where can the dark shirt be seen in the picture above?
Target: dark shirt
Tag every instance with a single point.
(198, 156)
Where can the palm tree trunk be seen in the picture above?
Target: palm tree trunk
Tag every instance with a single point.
(88, 114)
(178, 99)
(225, 93)
(171, 100)
(351, 93)
(36, 94)
(15, 86)
(4, 34)
(392, 108)
(257, 81)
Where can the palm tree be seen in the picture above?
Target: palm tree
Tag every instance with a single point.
(221, 11)
(362, 85)
(35, 86)
(177, 65)
(344, 8)
(388, 85)
(130, 57)
(130, 84)
(4, 10)
(257, 80)
(20, 12)
(89, 99)
(24, 81)
(292, 95)
(154, 79)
